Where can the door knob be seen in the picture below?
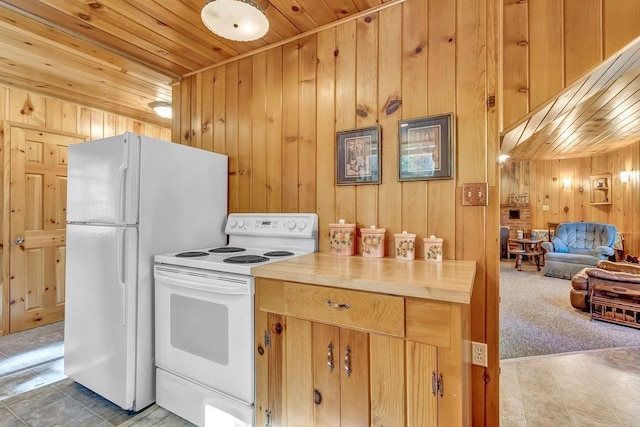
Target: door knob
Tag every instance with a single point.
(19, 240)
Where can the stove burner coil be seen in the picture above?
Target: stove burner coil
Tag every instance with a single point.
(226, 250)
(278, 253)
(245, 259)
(191, 254)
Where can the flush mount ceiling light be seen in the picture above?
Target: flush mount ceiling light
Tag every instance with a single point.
(162, 108)
(238, 20)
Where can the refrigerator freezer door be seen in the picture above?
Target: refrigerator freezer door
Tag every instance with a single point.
(103, 181)
(183, 194)
(100, 311)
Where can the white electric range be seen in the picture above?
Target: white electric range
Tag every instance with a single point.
(204, 316)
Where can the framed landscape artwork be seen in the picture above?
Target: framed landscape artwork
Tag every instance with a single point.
(426, 148)
(358, 156)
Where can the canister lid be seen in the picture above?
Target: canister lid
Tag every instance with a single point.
(342, 224)
(433, 239)
(405, 234)
(373, 230)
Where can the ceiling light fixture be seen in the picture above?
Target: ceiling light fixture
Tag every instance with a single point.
(162, 108)
(238, 20)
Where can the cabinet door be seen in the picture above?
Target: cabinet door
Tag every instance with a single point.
(354, 378)
(299, 373)
(270, 374)
(387, 367)
(421, 402)
(326, 374)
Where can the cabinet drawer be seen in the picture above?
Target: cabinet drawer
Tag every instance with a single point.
(354, 309)
(428, 322)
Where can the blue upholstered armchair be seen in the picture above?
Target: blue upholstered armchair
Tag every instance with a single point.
(577, 245)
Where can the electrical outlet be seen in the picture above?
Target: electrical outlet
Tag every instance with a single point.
(475, 194)
(479, 353)
(545, 207)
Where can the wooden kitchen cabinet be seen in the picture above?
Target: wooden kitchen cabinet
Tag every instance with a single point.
(397, 361)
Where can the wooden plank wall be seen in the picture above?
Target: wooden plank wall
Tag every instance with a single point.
(34, 109)
(275, 115)
(548, 44)
(543, 190)
(31, 108)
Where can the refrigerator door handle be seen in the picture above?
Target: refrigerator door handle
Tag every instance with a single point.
(120, 242)
(122, 173)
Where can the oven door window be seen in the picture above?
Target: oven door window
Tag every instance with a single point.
(196, 324)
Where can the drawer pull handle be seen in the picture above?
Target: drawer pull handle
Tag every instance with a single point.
(347, 361)
(330, 357)
(338, 306)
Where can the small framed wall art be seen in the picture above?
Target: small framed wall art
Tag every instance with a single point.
(426, 148)
(358, 156)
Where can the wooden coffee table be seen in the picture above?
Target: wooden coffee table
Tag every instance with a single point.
(527, 248)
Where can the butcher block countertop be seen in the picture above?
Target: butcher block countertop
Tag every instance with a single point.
(450, 280)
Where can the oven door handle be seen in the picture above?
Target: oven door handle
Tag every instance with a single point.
(227, 289)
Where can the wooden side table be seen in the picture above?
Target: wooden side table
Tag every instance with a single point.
(529, 248)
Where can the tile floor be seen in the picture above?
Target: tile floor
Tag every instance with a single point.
(35, 392)
(589, 388)
(581, 389)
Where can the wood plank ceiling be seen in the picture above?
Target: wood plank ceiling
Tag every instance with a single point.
(120, 55)
(598, 113)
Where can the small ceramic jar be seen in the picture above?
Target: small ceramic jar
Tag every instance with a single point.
(433, 249)
(372, 242)
(405, 246)
(342, 238)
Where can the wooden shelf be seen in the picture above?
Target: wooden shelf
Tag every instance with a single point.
(599, 190)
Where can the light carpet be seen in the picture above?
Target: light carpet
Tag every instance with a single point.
(536, 317)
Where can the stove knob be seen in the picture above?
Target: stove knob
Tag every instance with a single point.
(292, 225)
(302, 225)
(232, 223)
(241, 223)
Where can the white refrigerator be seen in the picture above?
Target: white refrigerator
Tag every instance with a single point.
(130, 197)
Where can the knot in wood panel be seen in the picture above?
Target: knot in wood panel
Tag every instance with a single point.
(392, 106)
(28, 107)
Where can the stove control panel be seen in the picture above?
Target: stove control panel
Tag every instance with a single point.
(270, 224)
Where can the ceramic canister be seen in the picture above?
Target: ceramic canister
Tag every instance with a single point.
(433, 248)
(372, 242)
(342, 238)
(405, 245)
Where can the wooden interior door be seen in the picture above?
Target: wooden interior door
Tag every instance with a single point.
(38, 200)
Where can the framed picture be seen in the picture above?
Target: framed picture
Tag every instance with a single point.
(358, 156)
(425, 148)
